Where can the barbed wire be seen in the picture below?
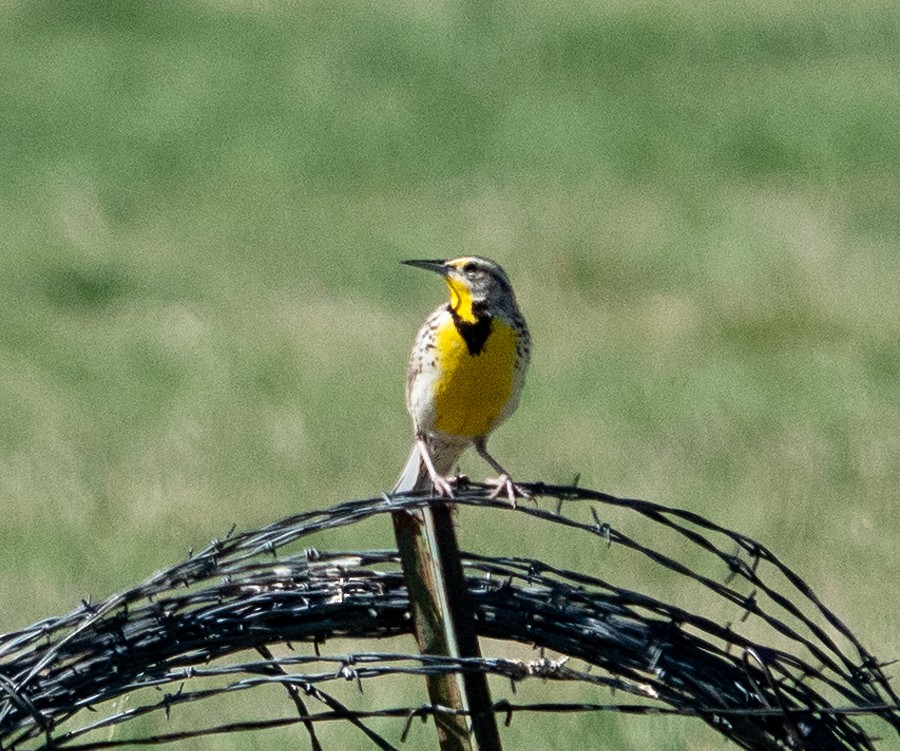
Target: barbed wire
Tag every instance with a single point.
(781, 671)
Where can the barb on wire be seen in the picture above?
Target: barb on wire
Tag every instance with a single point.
(735, 639)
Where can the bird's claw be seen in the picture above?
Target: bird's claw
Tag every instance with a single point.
(505, 485)
(443, 486)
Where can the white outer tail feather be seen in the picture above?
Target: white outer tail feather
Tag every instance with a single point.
(414, 476)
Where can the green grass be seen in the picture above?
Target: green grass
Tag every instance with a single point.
(203, 320)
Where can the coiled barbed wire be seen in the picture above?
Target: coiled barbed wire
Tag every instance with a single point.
(783, 672)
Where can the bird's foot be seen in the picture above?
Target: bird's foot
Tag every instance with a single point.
(446, 486)
(443, 485)
(505, 485)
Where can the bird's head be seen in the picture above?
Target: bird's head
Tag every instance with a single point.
(477, 285)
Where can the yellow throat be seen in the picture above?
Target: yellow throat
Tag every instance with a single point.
(461, 301)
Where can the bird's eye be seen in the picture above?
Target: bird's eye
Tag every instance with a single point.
(470, 268)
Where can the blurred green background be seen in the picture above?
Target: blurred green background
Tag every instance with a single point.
(203, 321)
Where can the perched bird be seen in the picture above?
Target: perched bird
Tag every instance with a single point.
(465, 374)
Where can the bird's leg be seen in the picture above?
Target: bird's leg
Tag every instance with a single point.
(504, 482)
(441, 485)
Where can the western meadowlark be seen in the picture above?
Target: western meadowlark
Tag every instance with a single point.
(465, 374)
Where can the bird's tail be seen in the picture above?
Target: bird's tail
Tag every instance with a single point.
(415, 478)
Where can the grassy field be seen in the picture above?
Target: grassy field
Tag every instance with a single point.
(203, 321)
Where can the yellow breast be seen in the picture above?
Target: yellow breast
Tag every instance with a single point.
(472, 390)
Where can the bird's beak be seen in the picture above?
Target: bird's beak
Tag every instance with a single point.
(438, 266)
